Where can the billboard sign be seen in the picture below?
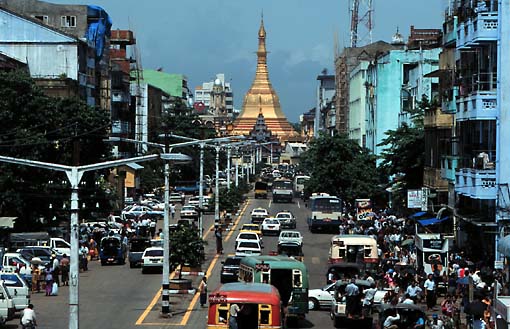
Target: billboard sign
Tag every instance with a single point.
(414, 199)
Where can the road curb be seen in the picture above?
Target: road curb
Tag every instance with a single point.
(182, 291)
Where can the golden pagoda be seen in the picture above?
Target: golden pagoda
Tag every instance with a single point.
(262, 98)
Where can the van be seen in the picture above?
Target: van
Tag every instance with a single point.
(18, 289)
(6, 305)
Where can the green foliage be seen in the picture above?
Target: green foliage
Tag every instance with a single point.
(186, 247)
(38, 127)
(339, 166)
(403, 154)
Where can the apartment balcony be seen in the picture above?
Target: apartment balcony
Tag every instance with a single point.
(450, 31)
(432, 179)
(437, 119)
(449, 165)
(483, 27)
(449, 105)
(476, 183)
(479, 105)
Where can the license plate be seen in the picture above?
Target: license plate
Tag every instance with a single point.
(271, 226)
(155, 260)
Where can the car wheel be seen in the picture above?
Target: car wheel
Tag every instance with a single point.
(313, 304)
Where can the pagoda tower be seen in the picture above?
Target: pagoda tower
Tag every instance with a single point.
(262, 98)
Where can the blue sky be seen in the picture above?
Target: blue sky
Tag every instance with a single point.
(200, 38)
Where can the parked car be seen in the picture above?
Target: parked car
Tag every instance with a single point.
(44, 253)
(230, 269)
(189, 212)
(258, 215)
(136, 211)
(270, 226)
(287, 219)
(248, 248)
(248, 236)
(152, 259)
(290, 236)
(18, 289)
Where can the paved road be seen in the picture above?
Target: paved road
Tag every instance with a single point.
(120, 297)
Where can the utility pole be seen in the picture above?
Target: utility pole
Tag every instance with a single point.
(228, 166)
(201, 192)
(165, 282)
(217, 187)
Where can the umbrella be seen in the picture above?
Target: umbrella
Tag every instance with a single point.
(407, 242)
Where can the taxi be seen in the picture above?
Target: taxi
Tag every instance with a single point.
(251, 228)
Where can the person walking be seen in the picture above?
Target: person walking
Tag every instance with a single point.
(430, 292)
(64, 269)
(219, 240)
(55, 268)
(172, 210)
(49, 281)
(202, 288)
(84, 252)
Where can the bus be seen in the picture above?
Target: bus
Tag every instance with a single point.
(260, 306)
(287, 274)
(282, 190)
(299, 184)
(326, 212)
(352, 248)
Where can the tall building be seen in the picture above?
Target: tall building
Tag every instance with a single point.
(203, 95)
(324, 98)
(262, 96)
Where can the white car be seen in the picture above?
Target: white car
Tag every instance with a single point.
(248, 248)
(258, 215)
(290, 236)
(189, 212)
(195, 201)
(287, 219)
(270, 226)
(323, 297)
(248, 236)
(152, 258)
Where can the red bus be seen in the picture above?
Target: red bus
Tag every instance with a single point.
(259, 303)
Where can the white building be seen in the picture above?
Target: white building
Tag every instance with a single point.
(203, 94)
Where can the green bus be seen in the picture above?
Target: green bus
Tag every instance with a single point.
(287, 274)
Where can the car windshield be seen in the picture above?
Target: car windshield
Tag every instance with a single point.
(154, 253)
(247, 244)
(260, 211)
(271, 221)
(326, 205)
(283, 216)
(232, 261)
(250, 228)
(139, 245)
(247, 236)
(186, 208)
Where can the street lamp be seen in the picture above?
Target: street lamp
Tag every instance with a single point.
(165, 284)
(74, 175)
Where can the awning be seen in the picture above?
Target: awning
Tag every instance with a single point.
(7, 222)
(134, 166)
(441, 73)
(504, 246)
(418, 214)
(432, 221)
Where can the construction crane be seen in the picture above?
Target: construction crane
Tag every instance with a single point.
(361, 12)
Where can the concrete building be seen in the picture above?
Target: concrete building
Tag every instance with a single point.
(479, 155)
(203, 95)
(307, 122)
(357, 103)
(60, 63)
(89, 24)
(175, 85)
(395, 80)
(324, 120)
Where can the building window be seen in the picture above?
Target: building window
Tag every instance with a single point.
(68, 21)
(42, 18)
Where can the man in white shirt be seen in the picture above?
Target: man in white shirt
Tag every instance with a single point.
(28, 316)
(368, 300)
(430, 292)
(390, 321)
(413, 291)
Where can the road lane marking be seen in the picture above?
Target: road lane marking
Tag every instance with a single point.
(316, 260)
(195, 298)
(298, 205)
(269, 203)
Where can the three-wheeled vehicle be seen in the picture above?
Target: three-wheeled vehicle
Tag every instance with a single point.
(260, 190)
(137, 246)
(338, 312)
(112, 250)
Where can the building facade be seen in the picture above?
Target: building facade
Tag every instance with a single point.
(358, 103)
(324, 98)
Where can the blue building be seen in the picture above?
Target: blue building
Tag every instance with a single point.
(395, 82)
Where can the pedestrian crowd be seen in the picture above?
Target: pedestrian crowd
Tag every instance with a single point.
(462, 287)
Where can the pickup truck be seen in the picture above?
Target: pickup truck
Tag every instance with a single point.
(290, 237)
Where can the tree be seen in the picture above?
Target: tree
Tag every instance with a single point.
(404, 152)
(57, 130)
(186, 247)
(339, 166)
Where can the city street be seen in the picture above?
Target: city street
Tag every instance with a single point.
(131, 296)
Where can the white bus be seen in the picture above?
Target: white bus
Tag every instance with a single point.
(299, 184)
(326, 212)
